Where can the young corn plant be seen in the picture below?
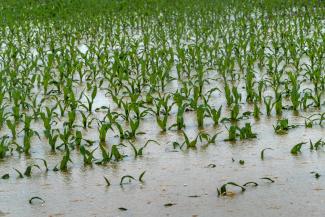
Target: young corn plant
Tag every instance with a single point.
(222, 191)
(282, 126)
(52, 139)
(295, 92)
(106, 157)
(28, 171)
(71, 119)
(234, 113)
(88, 156)
(181, 105)
(246, 132)
(3, 116)
(268, 105)
(65, 160)
(200, 115)
(115, 154)
(4, 146)
(161, 121)
(12, 127)
(28, 134)
(316, 145)
(257, 110)
(103, 129)
(296, 149)
(208, 138)
(134, 125)
(90, 101)
(278, 103)
(228, 95)
(232, 133)
(189, 143)
(139, 151)
(243, 133)
(214, 114)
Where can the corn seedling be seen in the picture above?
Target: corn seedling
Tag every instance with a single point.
(283, 126)
(222, 191)
(65, 160)
(316, 145)
(296, 148)
(88, 156)
(139, 152)
(28, 170)
(189, 143)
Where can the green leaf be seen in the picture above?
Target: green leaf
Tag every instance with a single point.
(20, 175)
(107, 181)
(262, 152)
(125, 177)
(141, 176)
(268, 179)
(36, 198)
(5, 176)
(296, 149)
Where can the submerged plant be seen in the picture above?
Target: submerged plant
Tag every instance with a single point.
(139, 152)
(126, 177)
(283, 126)
(243, 133)
(65, 159)
(222, 191)
(262, 152)
(296, 149)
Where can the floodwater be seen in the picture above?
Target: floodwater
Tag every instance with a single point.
(177, 183)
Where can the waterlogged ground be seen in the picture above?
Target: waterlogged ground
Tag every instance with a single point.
(179, 183)
(76, 79)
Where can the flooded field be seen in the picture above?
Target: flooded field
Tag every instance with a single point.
(160, 108)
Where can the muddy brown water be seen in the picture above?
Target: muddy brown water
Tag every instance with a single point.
(177, 183)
